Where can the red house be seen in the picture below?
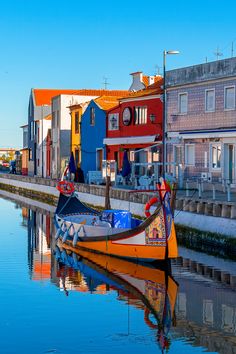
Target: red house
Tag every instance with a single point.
(135, 125)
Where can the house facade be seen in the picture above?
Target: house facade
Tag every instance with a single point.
(61, 131)
(201, 120)
(135, 125)
(76, 112)
(38, 109)
(93, 131)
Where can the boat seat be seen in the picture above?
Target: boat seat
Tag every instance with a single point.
(89, 220)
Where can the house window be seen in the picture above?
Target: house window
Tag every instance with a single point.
(92, 116)
(53, 120)
(30, 108)
(140, 115)
(183, 103)
(53, 153)
(57, 119)
(131, 155)
(25, 138)
(76, 122)
(210, 100)
(229, 97)
(215, 154)
(190, 154)
(76, 157)
(31, 130)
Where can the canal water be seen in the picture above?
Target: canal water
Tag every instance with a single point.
(53, 301)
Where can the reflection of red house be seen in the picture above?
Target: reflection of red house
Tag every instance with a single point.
(135, 124)
(48, 153)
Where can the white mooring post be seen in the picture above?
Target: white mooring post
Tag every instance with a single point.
(228, 192)
(213, 192)
(187, 189)
(199, 189)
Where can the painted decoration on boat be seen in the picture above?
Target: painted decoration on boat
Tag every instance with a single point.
(155, 232)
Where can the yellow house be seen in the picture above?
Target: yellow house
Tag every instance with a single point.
(76, 112)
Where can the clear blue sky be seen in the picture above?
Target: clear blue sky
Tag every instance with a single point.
(75, 44)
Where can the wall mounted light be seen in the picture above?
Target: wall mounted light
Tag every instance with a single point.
(152, 117)
(113, 122)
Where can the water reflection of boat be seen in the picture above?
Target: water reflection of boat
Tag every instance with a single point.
(151, 289)
(117, 232)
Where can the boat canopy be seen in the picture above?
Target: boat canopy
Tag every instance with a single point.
(68, 205)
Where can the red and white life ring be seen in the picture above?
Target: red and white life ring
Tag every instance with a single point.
(152, 201)
(65, 187)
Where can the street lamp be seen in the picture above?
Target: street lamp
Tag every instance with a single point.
(164, 130)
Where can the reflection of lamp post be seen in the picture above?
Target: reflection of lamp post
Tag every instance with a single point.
(164, 130)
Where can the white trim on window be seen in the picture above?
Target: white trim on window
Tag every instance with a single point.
(188, 159)
(233, 106)
(180, 110)
(214, 100)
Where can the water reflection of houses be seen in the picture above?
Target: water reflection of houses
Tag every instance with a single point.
(206, 311)
(39, 252)
(25, 214)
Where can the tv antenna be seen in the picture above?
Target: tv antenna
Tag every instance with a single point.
(105, 83)
(218, 53)
(157, 69)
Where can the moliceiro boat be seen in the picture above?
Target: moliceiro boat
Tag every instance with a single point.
(117, 232)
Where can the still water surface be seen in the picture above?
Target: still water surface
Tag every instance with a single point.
(55, 302)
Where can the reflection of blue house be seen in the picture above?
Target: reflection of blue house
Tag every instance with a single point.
(93, 131)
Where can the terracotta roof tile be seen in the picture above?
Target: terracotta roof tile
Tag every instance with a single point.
(107, 102)
(44, 96)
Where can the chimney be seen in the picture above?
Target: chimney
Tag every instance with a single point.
(151, 80)
(137, 83)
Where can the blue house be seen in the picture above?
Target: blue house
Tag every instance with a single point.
(93, 131)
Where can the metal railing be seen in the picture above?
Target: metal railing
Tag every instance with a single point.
(223, 190)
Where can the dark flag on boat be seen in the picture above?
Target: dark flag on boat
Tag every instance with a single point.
(72, 167)
(126, 168)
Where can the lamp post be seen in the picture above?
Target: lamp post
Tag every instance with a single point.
(164, 125)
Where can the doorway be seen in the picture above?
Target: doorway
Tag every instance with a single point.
(178, 159)
(229, 154)
(99, 159)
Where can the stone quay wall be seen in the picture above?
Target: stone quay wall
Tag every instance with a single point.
(37, 186)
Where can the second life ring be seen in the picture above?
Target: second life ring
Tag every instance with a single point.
(65, 187)
(148, 206)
